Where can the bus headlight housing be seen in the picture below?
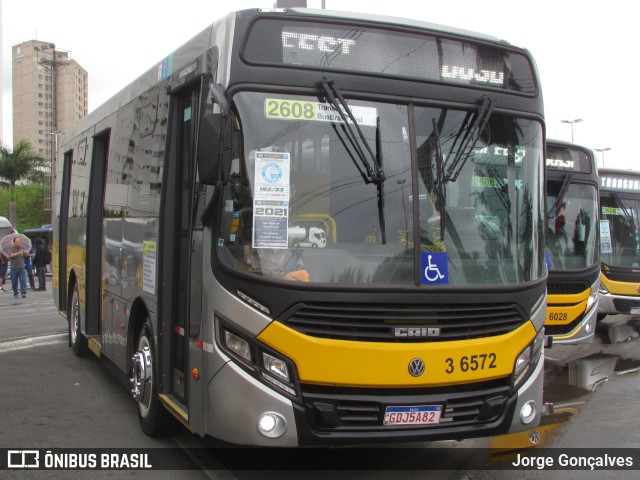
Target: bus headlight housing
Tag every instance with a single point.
(591, 301)
(593, 296)
(275, 371)
(528, 358)
(257, 359)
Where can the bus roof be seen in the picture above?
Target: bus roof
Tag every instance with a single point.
(197, 45)
(179, 57)
(400, 21)
(618, 171)
(563, 143)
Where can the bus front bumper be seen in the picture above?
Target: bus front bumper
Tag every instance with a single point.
(611, 304)
(583, 332)
(239, 407)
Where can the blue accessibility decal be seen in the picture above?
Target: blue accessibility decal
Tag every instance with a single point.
(434, 267)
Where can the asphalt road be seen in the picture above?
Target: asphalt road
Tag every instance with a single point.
(51, 399)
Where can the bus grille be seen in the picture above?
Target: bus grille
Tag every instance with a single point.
(366, 412)
(624, 306)
(403, 323)
(562, 329)
(565, 288)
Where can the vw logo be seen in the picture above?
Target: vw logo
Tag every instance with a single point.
(535, 437)
(416, 367)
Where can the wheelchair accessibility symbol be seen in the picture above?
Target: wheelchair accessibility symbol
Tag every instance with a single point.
(435, 267)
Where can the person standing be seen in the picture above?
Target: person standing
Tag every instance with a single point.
(41, 265)
(4, 263)
(28, 266)
(16, 261)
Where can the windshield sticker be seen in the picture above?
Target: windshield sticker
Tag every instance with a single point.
(282, 109)
(271, 200)
(485, 182)
(435, 267)
(613, 211)
(491, 182)
(605, 237)
(149, 267)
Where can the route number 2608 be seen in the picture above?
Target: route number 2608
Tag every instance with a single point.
(292, 109)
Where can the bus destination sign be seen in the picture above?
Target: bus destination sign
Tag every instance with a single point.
(568, 159)
(426, 56)
(620, 183)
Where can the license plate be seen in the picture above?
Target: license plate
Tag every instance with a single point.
(635, 311)
(417, 415)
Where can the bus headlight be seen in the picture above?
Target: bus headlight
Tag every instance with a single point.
(602, 289)
(591, 301)
(237, 345)
(522, 362)
(528, 358)
(593, 296)
(276, 372)
(528, 412)
(275, 366)
(272, 425)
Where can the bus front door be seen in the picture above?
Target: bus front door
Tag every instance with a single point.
(185, 284)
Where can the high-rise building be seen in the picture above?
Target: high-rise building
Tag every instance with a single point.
(1, 83)
(50, 94)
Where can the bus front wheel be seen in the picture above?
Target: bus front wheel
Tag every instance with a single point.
(144, 384)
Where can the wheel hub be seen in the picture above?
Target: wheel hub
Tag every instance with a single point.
(140, 380)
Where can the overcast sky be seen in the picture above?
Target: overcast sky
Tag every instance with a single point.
(586, 51)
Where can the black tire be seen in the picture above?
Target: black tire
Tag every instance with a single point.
(77, 341)
(154, 419)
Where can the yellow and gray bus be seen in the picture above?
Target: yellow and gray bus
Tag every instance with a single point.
(573, 255)
(620, 244)
(312, 228)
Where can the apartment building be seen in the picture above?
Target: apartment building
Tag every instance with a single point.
(50, 94)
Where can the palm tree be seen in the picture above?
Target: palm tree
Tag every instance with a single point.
(22, 163)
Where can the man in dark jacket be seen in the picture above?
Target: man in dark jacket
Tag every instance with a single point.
(41, 266)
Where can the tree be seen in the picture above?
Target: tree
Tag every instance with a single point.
(20, 164)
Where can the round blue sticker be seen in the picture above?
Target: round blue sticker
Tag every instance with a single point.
(272, 173)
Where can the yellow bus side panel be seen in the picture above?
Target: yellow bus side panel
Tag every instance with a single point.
(620, 288)
(372, 364)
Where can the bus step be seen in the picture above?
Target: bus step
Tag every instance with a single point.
(176, 408)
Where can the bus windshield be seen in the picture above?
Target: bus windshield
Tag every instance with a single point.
(571, 239)
(313, 199)
(620, 246)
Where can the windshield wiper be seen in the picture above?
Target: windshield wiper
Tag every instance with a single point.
(380, 184)
(375, 173)
(470, 139)
(440, 181)
(566, 180)
(626, 214)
